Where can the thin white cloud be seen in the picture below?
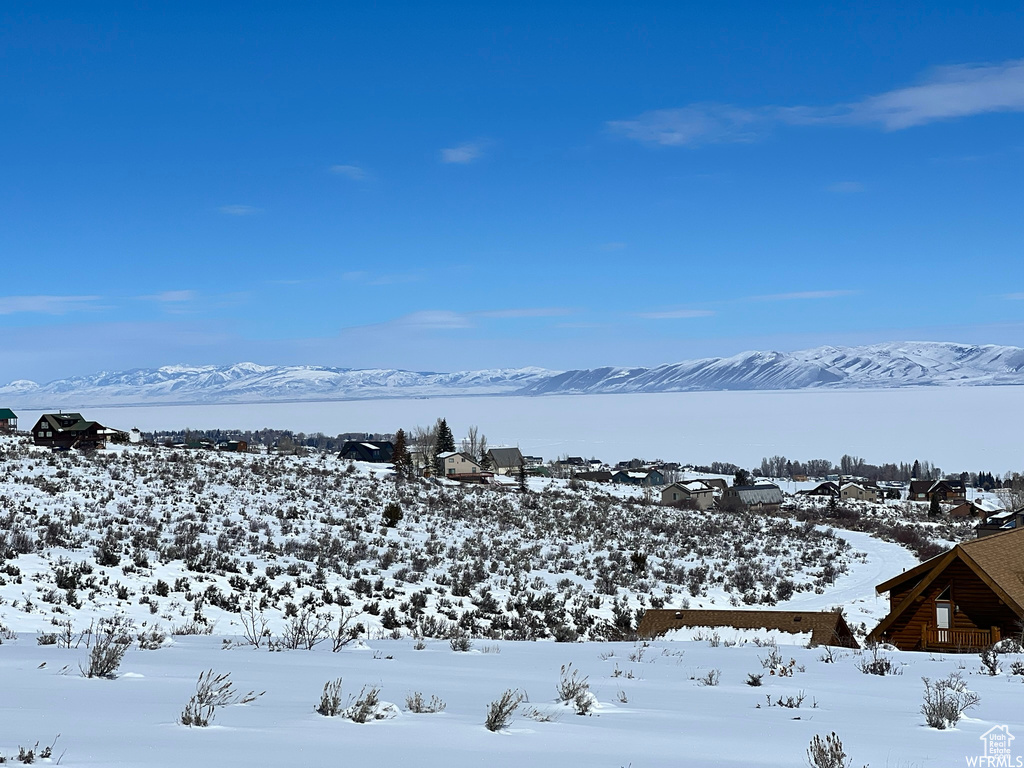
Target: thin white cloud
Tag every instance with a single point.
(676, 314)
(46, 305)
(526, 312)
(351, 171)
(945, 93)
(171, 296)
(691, 125)
(1014, 296)
(802, 295)
(238, 210)
(440, 319)
(845, 187)
(463, 154)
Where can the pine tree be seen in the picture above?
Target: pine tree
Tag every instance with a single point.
(915, 473)
(934, 510)
(400, 457)
(445, 443)
(522, 477)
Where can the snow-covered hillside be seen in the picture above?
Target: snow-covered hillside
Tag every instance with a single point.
(188, 539)
(879, 366)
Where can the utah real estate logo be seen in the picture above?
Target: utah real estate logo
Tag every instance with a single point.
(998, 752)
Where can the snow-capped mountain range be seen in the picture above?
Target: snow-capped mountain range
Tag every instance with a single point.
(899, 364)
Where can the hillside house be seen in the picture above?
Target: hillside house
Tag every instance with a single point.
(506, 461)
(643, 477)
(824, 627)
(598, 476)
(763, 497)
(8, 420)
(947, 491)
(692, 494)
(963, 600)
(457, 463)
(234, 446)
(63, 431)
(976, 508)
(373, 451)
(1003, 520)
(857, 492)
(827, 489)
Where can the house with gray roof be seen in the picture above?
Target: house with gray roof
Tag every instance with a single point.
(505, 461)
(764, 497)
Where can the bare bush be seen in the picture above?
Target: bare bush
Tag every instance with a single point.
(946, 700)
(415, 703)
(570, 684)
(212, 691)
(877, 664)
(990, 661)
(367, 706)
(306, 630)
(827, 752)
(110, 643)
(500, 711)
(330, 699)
(711, 678)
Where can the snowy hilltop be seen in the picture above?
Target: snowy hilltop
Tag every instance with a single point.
(897, 364)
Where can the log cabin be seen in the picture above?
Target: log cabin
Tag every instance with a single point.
(964, 600)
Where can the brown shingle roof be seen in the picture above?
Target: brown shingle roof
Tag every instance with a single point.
(826, 627)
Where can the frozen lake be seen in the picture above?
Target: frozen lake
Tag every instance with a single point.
(957, 428)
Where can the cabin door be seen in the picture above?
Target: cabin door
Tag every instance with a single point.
(944, 616)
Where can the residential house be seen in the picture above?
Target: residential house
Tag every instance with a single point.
(457, 463)
(763, 497)
(644, 477)
(693, 494)
(1004, 520)
(948, 491)
(976, 508)
(70, 430)
(234, 446)
(824, 627)
(857, 492)
(598, 476)
(373, 451)
(506, 461)
(826, 489)
(8, 420)
(963, 600)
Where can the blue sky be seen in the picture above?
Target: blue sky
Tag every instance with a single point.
(452, 186)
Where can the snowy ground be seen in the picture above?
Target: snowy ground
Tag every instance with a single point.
(699, 427)
(651, 711)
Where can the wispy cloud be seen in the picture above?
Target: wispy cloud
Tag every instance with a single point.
(46, 305)
(676, 314)
(845, 187)
(692, 125)
(238, 210)
(1014, 296)
(172, 297)
(801, 295)
(351, 171)
(464, 153)
(525, 312)
(943, 93)
(440, 319)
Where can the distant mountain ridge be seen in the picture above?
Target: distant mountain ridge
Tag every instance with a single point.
(898, 364)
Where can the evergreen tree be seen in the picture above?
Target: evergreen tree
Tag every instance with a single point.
(915, 473)
(742, 477)
(522, 477)
(445, 443)
(400, 457)
(934, 510)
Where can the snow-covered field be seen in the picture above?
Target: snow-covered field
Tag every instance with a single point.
(184, 543)
(651, 710)
(696, 427)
